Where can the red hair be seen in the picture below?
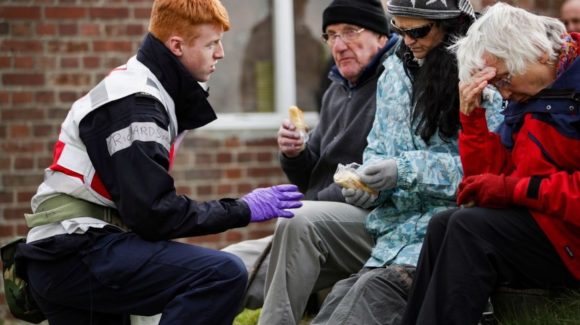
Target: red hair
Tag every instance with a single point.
(169, 17)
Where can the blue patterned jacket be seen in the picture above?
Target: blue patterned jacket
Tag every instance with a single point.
(428, 173)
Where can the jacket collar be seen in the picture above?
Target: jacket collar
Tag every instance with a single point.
(191, 105)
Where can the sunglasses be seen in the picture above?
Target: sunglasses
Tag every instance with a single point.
(414, 33)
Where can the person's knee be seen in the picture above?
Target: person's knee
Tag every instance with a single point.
(466, 221)
(438, 223)
(231, 269)
(296, 225)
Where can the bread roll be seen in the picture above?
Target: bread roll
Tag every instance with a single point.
(349, 179)
(297, 118)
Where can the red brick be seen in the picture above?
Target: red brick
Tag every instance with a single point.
(24, 196)
(17, 131)
(109, 13)
(44, 162)
(232, 143)
(264, 156)
(260, 233)
(69, 62)
(23, 147)
(22, 228)
(112, 46)
(4, 163)
(234, 173)
(23, 79)
(184, 190)
(142, 13)
(43, 130)
(203, 159)
(22, 180)
(24, 62)
(223, 158)
(44, 97)
(46, 62)
(5, 62)
(68, 29)
(14, 12)
(234, 236)
(263, 142)
(224, 190)
(21, 29)
(244, 157)
(91, 62)
(136, 30)
(65, 13)
(23, 163)
(6, 197)
(46, 29)
(22, 114)
(24, 97)
(7, 230)
(60, 47)
(5, 98)
(90, 29)
(244, 188)
(204, 190)
(67, 97)
(20, 46)
(15, 213)
(264, 172)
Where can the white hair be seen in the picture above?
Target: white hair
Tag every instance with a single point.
(513, 35)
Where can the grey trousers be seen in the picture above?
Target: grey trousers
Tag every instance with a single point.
(372, 296)
(324, 243)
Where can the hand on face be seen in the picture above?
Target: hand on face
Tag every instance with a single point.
(289, 141)
(470, 92)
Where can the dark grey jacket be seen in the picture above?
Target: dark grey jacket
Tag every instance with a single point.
(346, 117)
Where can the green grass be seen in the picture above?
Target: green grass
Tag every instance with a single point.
(250, 317)
(247, 317)
(563, 310)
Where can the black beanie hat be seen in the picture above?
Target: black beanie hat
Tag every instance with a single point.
(369, 14)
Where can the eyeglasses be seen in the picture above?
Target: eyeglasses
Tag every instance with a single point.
(502, 82)
(347, 36)
(414, 33)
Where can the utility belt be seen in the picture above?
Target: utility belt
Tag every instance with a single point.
(63, 207)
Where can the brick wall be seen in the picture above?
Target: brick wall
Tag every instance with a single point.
(53, 51)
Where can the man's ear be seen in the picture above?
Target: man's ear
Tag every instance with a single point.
(174, 44)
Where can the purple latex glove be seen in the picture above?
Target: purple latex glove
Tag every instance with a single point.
(268, 203)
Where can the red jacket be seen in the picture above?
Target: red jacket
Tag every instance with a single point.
(541, 146)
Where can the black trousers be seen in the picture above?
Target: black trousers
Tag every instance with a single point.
(122, 274)
(468, 252)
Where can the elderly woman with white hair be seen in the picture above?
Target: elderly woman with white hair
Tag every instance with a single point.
(519, 225)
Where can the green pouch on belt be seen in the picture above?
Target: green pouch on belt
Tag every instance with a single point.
(16, 290)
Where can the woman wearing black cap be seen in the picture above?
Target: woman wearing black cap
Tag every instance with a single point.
(412, 158)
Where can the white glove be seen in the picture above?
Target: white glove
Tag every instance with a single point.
(358, 197)
(380, 175)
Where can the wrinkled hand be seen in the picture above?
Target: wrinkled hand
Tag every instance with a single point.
(487, 190)
(271, 202)
(358, 197)
(380, 175)
(290, 142)
(470, 92)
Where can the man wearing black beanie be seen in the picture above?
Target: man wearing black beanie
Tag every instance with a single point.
(326, 240)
